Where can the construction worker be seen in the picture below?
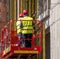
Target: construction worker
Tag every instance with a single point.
(19, 30)
(18, 25)
(27, 28)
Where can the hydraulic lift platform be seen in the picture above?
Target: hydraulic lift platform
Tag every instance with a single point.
(11, 45)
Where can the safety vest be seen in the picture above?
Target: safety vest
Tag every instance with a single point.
(18, 25)
(27, 25)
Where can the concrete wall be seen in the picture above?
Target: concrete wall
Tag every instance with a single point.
(3, 18)
(55, 29)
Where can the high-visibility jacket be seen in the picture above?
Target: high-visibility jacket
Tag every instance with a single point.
(18, 25)
(27, 27)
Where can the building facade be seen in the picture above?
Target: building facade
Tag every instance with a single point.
(55, 28)
(52, 40)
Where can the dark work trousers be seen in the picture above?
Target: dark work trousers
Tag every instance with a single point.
(24, 35)
(19, 37)
(27, 42)
(27, 36)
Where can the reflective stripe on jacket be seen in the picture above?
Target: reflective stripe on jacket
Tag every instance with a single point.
(27, 25)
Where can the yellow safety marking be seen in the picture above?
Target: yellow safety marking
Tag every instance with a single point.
(6, 50)
(25, 52)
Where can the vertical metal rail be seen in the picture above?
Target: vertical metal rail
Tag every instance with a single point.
(29, 7)
(44, 55)
(21, 6)
(37, 9)
(14, 13)
(17, 9)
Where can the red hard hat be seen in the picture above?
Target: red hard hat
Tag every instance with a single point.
(25, 12)
(21, 15)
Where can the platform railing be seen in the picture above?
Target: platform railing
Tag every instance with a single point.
(10, 37)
